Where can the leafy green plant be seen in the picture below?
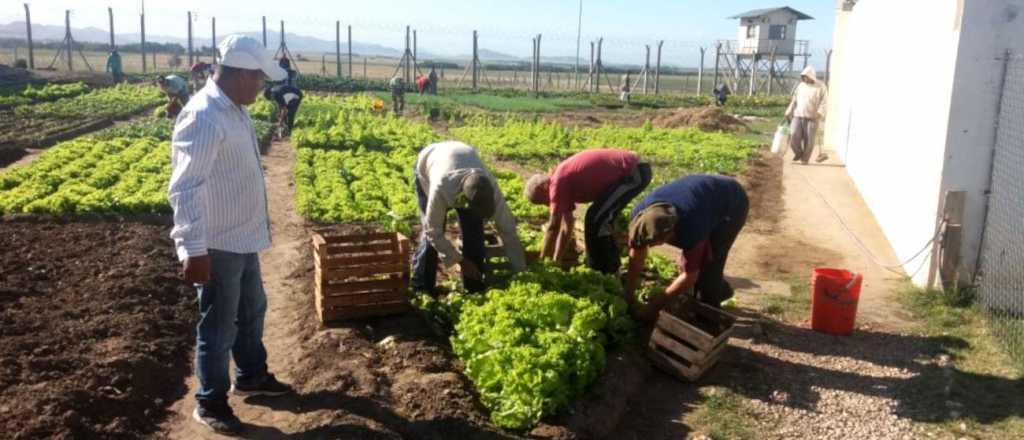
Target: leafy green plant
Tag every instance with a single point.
(118, 101)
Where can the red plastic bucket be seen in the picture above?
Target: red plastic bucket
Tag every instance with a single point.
(836, 293)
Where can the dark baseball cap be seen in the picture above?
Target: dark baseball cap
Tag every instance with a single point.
(480, 192)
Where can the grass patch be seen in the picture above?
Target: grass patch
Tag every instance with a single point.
(723, 415)
(793, 307)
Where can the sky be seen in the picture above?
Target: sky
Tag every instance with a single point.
(445, 26)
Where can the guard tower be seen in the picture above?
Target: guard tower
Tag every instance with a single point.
(764, 54)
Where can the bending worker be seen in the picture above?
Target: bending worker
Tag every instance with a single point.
(397, 86)
(451, 175)
(608, 179)
(287, 97)
(176, 90)
(699, 214)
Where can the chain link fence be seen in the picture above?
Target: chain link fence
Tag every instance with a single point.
(1002, 254)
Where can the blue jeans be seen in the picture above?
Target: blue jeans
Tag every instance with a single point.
(424, 261)
(232, 306)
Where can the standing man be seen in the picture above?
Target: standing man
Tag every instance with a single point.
(397, 85)
(451, 175)
(699, 214)
(114, 66)
(624, 88)
(219, 199)
(609, 179)
(433, 80)
(721, 93)
(176, 90)
(806, 110)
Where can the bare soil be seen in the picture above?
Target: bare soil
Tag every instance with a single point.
(95, 329)
(710, 118)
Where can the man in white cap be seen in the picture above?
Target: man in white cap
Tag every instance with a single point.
(219, 199)
(806, 110)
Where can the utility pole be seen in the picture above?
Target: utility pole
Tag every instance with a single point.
(67, 39)
(264, 31)
(350, 51)
(191, 59)
(337, 47)
(657, 70)
(110, 13)
(28, 33)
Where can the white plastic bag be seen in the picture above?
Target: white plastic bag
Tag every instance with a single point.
(781, 138)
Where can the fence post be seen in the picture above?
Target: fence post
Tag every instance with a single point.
(67, 38)
(718, 57)
(657, 69)
(350, 51)
(142, 37)
(213, 30)
(110, 13)
(337, 48)
(647, 64)
(590, 73)
(264, 31)
(700, 72)
(597, 83)
(28, 34)
(474, 61)
(191, 59)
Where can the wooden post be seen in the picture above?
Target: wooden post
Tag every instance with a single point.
(700, 73)
(110, 13)
(191, 54)
(771, 71)
(597, 67)
(264, 31)
(753, 74)
(590, 73)
(142, 35)
(406, 60)
(414, 58)
(350, 51)
(337, 48)
(67, 39)
(474, 61)
(28, 35)
(213, 37)
(282, 44)
(657, 69)
(536, 86)
(364, 69)
(533, 64)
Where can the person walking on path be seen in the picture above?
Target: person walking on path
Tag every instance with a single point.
(450, 175)
(397, 85)
(805, 112)
(701, 215)
(608, 179)
(218, 196)
(114, 66)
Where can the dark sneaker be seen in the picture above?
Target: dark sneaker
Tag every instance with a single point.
(218, 417)
(269, 386)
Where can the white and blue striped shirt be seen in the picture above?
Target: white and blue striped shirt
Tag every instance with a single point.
(217, 187)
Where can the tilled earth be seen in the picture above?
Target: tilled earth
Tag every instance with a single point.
(95, 329)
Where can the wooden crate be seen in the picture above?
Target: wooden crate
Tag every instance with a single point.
(688, 339)
(360, 275)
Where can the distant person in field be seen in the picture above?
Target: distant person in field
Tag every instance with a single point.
(287, 98)
(114, 66)
(218, 195)
(422, 83)
(200, 72)
(451, 175)
(701, 215)
(721, 93)
(286, 64)
(397, 86)
(624, 88)
(433, 80)
(608, 180)
(806, 111)
(176, 90)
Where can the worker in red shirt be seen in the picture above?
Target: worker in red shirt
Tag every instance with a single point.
(608, 179)
(422, 82)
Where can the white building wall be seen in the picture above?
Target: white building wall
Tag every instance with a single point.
(895, 111)
(989, 28)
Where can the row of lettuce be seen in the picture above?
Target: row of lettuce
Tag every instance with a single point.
(531, 344)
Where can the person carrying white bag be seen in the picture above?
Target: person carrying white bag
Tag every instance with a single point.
(781, 138)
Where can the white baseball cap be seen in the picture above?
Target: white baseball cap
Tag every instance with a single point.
(243, 52)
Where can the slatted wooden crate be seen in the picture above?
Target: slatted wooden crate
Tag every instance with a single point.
(360, 275)
(688, 339)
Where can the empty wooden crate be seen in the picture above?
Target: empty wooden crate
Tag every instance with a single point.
(688, 339)
(361, 274)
